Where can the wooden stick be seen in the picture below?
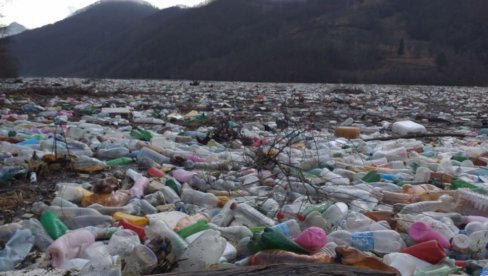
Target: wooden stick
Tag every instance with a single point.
(287, 269)
(413, 136)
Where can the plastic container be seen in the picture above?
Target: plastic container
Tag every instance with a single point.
(382, 241)
(136, 228)
(137, 220)
(270, 257)
(161, 229)
(16, 249)
(224, 216)
(68, 246)
(407, 127)
(420, 232)
(42, 238)
(312, 239)
(53, 225)
(147, 153)
(203, 252)
(112, 153)
(8, 230)
(123, 242)
(429, 251)
(251, 217)
(273, 239)
(347, 132)
(188, 195)
(471, 203)
(289, 228)
(85, 221)
(200, 225)
(232, 233)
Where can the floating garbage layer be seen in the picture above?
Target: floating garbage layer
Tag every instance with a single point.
(148, 177)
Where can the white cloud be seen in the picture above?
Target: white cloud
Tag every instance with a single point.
(37, 13)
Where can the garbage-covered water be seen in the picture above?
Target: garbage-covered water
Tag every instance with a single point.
(146, 176)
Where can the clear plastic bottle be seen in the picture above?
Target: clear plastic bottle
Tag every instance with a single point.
(123, 242)
(84, 221)
(170, 195)
(189, 195)
(159, 228)
(112, 152)
(357, 222)
(147, 153)
(232, 233)
(7, 230)
(251, 217)
(334, 215)
(203, 252)
(289, 228)
(16, 249)
(65, 212)
(382, 241)
(225, 215)
(42, 239)
(100, 261)
(445, 203)
(61, 202)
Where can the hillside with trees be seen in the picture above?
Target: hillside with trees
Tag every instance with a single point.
(350, 41)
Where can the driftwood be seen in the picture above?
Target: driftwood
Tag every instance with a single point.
(413, 136)
(287, 269)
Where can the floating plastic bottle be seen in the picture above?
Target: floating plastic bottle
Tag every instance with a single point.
(269, 257)
(69, 246)
(203, 252)
(42, 238)
(16, 249)
(53, 225)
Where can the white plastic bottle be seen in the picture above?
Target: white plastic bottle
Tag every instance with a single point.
(357, 222)
(251, 217)
(289, 228)
(382, 241)
(334, 215)
(445, 204)
(233, 233)
(225, 216)
(188, 195)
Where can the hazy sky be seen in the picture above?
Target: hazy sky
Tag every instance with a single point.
(37, 13)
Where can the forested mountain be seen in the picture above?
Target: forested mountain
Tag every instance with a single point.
(359, 41)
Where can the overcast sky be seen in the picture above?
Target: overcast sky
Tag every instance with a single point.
(37, 13)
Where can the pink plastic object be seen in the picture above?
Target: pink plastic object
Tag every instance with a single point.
(183, 176)
(195, 158)
(421, 232)
(139, 186)
(312, 239)
(69, 246)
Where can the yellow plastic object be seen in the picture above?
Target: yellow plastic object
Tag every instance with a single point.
(140, 221)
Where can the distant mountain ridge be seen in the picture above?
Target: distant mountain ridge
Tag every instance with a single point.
(359, 41)
(12, 29)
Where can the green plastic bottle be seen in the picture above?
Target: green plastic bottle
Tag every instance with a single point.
(371, 176)
(53, 225)
(273, 239)
(198, 226)
(459, 183)
(141, 134)
(459, 158)
(120, 161)
(321, 207)
(173, 184)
